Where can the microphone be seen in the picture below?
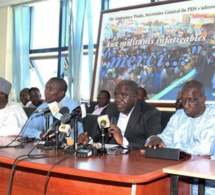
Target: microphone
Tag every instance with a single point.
(65, 130)
(58, 116)
(103, 121)
(78, 111)
(45, 110)
(53, 107)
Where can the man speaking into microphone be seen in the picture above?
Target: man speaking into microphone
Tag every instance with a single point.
(55, 91)
(136, 119)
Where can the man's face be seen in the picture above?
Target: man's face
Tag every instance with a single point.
(125, 99)
(142, 95)
(53, 92)
(103, 99)
(35, 97)
(24, 97)
(193, 102)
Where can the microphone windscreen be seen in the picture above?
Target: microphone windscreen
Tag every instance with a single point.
(67, 117)
(54, 107)
(64, 110)
(69, 141)
(103, 120)
(65, 128)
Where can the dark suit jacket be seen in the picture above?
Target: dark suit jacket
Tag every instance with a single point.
(144, 122)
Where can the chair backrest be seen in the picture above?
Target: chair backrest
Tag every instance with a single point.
(90, 124)
(165, 116)
(29, 110)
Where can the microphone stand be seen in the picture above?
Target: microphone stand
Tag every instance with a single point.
(56, 137)
(47, 116)
(75, 132)
(48, 144)
(103, 149)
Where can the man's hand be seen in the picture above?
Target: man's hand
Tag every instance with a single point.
(155, 141)
(83, 138)
(117, 134)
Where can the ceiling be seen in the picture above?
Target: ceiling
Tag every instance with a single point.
(4, 3)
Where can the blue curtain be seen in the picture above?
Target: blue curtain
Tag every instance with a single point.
(20, 55)
(77, 14)
(90, 48)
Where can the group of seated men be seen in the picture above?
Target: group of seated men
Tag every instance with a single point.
(191, 129)
(31, 97)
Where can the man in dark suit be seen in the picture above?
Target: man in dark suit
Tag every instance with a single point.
(137, 120)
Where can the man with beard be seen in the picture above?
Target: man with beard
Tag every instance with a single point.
(136, 119)
(190, 129)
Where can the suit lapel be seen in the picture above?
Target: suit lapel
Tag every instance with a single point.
(134, 117)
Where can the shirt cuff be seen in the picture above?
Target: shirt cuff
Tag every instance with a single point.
(125, 143)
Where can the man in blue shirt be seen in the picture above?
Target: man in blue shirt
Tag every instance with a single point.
(55, 90)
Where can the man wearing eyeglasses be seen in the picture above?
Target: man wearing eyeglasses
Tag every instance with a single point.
(191, 129)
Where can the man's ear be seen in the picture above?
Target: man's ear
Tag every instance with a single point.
(204, 99)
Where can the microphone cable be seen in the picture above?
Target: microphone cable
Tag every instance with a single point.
(26, 138)
(24, 157)
(47, 176)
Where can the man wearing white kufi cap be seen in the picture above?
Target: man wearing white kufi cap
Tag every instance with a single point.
(12, 115)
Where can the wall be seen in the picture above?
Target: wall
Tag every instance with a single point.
(6, 43)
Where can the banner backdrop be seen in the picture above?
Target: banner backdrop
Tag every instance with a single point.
(158, 45)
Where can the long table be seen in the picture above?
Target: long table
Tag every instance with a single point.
(201, 168)
(124, 174)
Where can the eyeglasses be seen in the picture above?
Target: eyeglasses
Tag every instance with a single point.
(190, 101)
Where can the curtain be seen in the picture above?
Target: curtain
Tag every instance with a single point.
(77, 16)
(90, 48)
(20, 55)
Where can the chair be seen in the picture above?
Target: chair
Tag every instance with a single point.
(29, 110)
(165, 116)
(90, 124)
